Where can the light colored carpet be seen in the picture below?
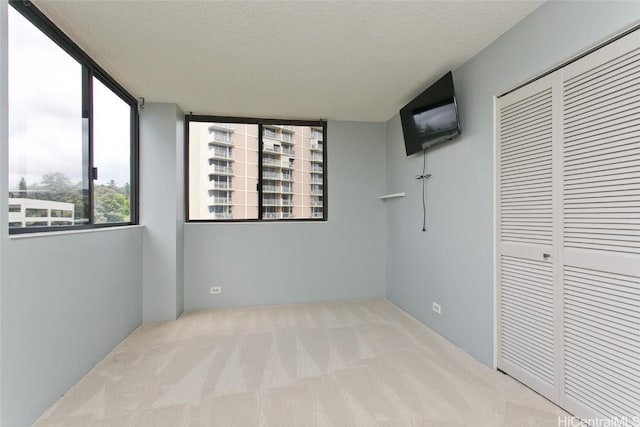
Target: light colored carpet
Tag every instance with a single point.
(360, 363)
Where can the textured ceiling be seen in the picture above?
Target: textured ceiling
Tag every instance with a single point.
(304, 59)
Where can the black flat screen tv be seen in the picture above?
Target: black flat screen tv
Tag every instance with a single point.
(431, 118)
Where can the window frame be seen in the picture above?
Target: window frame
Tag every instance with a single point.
(90, 70)
(260, 122)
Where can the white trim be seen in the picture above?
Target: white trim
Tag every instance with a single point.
(558, 243)
(495, 232)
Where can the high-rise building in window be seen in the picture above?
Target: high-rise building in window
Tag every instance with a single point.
(223, 171)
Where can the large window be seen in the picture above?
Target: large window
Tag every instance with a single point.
(72, 133)
(246, 170)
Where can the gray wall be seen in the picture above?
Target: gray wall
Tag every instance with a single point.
(162, 210)
(67, 300)
(279, 263)
(452, 263)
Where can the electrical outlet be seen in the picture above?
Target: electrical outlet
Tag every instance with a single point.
(215, 290)
(436, 308)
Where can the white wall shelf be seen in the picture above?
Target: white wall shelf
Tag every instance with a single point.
(391, 196)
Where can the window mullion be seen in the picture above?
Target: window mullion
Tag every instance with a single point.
(325, 198)
(134, 161)
(87, 141)
(260, 185)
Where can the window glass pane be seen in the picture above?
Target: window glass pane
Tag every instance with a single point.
(111, 155)
(292, 172)
(223, 171)
(47, 171)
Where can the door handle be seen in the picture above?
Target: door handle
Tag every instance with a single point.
(546, 256)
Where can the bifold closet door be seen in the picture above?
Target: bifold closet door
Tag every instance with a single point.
(569, 186)
(526, 265)
(601, 231)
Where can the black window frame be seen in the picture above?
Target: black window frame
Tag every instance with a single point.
(260, 122)
(90, 70)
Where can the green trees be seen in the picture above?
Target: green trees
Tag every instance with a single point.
(22, 187)
(111, 203)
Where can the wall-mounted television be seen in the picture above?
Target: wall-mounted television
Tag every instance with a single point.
(432, 117)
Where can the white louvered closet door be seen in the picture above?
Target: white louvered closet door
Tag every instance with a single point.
(569, 186)
(601, 231)
(526, 331)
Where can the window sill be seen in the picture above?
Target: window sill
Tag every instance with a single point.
(68, 232)
(255, 221)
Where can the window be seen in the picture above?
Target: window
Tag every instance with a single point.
(220, 135)
(259, 170)
(269, 133)
(72, 133)
(111, 156)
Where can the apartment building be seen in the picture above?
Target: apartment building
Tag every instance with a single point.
(224, 165)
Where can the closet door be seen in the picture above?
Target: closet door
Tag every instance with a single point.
(525, 210)
(600, 219)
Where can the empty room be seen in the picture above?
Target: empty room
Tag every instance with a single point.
(310, 213)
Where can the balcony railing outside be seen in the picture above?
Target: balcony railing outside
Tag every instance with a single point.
(318, 192)
(316, 168)
(269, 161)
(222, 169)
(286, 177)
(316, 146)
(223, 215)
(224, 139)
(316, 157)
(316, 214)
(272, 175)
(221, 154)
(287, 189)
(223, 125)
(287, 202)
(269, 149)
(287, 215)
(289, 151)
(271, 202)
(216, 185)
(316, 203)
(288, 165)
(271, 189)
(216, 142)
(271, 215)
(221, 200)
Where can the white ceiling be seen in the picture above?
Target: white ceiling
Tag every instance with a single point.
(302, 60)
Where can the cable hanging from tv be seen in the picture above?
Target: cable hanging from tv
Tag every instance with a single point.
(423, 177)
